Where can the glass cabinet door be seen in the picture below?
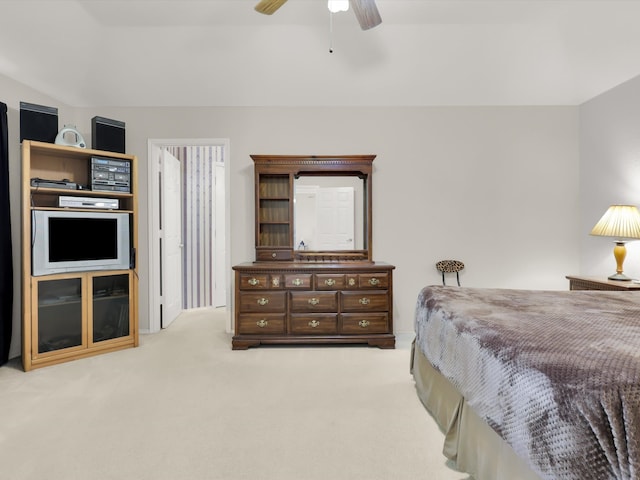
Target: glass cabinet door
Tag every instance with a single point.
(60, 319)
(110, 307)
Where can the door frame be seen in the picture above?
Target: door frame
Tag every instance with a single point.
(153, 250)
(172, 247)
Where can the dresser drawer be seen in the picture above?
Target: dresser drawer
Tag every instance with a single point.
(373, 280)
(259, 281)
(260, 324)
(262, 302)
(273, 255)
(314, 324)
(329, 281)
(298, 280)
(364, 301)
(250, 281)
(364, 323)
(314, 301)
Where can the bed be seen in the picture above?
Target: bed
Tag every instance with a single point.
(532, 385)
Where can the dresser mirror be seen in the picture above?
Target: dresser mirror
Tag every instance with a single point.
(329, 213)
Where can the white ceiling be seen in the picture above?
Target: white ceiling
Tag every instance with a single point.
(223, 53)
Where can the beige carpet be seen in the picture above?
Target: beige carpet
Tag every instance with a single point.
(185, 406)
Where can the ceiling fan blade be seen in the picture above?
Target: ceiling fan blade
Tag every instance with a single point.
(367, 13)
(269, 6)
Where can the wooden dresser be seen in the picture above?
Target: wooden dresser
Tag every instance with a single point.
(284, 303)
(314, 279)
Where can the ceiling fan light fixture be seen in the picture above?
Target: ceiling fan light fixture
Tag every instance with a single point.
(268, 7)
(367, 13)
(336, 6)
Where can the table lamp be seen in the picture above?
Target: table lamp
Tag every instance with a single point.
(623, 223)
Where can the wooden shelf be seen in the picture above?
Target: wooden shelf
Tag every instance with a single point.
(68, 303)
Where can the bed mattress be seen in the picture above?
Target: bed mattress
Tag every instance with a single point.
(555, 374)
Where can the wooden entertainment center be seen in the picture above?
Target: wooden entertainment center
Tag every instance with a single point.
(82, 311)
(314, 280)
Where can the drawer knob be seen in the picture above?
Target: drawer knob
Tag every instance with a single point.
(364, 323)
(273, 255)
(263, 301)
(313, 301)
(314, 323)
(364, 301)
(253, 282)
(330, 282)
(297, 282)
(262, 323)
(374, 281)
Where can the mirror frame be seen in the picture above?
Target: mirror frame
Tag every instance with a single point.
(323, 165)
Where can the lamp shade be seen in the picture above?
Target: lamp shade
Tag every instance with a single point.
(619, 221)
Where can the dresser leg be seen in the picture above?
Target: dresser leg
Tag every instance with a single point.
(238, 344)
(383, 342)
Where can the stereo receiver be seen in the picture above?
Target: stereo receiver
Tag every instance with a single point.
(110, 175)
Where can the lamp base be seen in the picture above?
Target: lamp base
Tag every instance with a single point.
(620, 277)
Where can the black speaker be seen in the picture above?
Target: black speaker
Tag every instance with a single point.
(38, 122)
(107, 135)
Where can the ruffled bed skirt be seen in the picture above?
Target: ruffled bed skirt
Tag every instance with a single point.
(470, 444)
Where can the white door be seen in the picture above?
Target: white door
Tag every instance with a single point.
(336, 221)
(171, 228)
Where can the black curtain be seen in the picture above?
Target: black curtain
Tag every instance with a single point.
(6, 265)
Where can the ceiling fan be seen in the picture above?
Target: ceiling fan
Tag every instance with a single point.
(366, 11)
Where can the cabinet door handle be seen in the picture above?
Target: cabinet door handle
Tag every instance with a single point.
(314, 323)
(330, 282)
(374, 281)
(313, 301)
(263, 301)
(364, 301)
(364, 323)
(297, 282)
(262, 323)
(253, 282)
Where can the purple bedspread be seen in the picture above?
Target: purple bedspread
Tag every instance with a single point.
(555, 373)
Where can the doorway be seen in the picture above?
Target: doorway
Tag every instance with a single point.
(188, 227)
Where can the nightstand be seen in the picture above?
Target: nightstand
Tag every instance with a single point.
(599, 283)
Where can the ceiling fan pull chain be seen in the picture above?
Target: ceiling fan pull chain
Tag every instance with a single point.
(330, 32)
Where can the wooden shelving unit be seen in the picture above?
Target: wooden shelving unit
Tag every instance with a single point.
(274, 213)
(66, 316)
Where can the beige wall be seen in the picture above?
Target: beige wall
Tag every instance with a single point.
(609, 172)
(494, 187)
(12, 93)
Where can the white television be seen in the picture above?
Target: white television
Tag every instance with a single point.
(65, 241)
